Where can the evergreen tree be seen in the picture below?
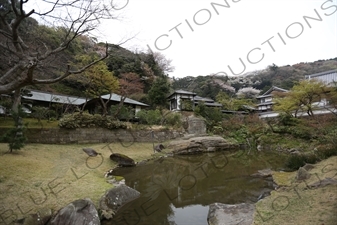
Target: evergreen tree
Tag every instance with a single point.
(159, 91)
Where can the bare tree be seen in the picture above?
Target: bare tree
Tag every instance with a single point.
(75, 17)
(164, 64)
(27, 59)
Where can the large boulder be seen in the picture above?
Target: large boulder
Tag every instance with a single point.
(122, 160)
(196, 125)
(79, 212)
(200, 144)
(115, 198)
(220, 214)
(302, 174)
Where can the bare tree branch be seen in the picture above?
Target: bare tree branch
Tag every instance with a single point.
(70, 72)
(75, 18)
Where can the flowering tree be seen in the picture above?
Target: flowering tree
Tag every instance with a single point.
(248, 92)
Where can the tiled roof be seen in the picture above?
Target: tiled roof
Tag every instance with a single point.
(117, 98)
(273, 88)
(64, 99)
(55, 98)
(182, 92)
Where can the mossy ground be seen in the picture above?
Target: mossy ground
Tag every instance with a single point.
(51, 176)
(295, 202)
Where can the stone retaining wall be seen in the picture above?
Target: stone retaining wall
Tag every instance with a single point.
(96, 135)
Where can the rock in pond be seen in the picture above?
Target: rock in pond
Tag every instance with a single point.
(200, 144)
(122, 160)
(115, 198)
(263, 173)
(224, 214)
(79, 212)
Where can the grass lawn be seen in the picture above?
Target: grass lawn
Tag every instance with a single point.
(51, 176)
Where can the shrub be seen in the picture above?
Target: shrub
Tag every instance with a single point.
(173, 119)
(15, 137)
(187, 104)
(287, 120)
(77, 120)
(294, 162)
(213, 116)
(41, 113)
(125, 113)
(301, 131)
(327, 152)
(149, 117)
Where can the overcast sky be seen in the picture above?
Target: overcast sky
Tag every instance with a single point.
(227, 37)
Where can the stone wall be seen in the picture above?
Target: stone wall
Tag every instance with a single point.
(96, 135)
(196, 125)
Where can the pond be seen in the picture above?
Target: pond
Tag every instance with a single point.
(177, 190)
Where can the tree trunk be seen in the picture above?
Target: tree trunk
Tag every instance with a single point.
(16, 100)
(17, 118)
(104, 106)
(120, 105)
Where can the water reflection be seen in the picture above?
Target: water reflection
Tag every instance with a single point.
(175, 189)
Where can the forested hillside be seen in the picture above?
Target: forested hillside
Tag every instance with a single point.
(137, 75)
(283, 76)
(147, 66)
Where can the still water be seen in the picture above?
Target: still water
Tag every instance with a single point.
(177, 190)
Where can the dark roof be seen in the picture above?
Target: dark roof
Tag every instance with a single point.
(234, 112)
(211, 104)
(182, 92)
(265, 103)
(198, 98)
(264, 96)
(273, 88)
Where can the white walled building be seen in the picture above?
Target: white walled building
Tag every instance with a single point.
(327, 77)
(177, 97)
(266, 100)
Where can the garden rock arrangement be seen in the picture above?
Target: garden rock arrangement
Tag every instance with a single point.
(200, 145)
(196, 125)
(83, 211)
(78, 212)
(263, 173)
(122, 160)
(302, 174)
(220, 214)
(115, 198)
